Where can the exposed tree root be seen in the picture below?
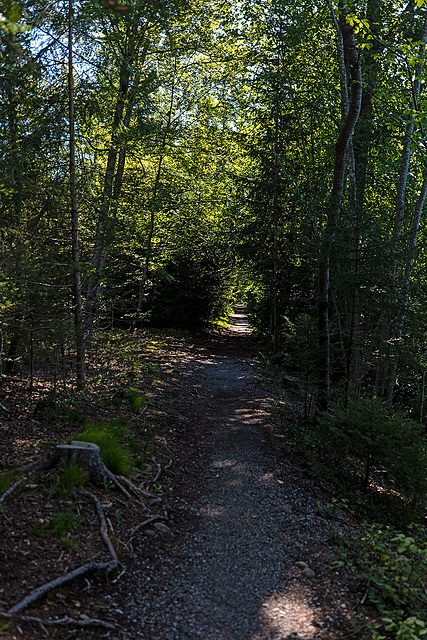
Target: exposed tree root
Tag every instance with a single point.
(117, 484)
(84, 621)
(89, 567)
(147, 494)
(159, 472)
(144, 524)
(89, 457)
(136, 490)
(86, 454)
(39, 465)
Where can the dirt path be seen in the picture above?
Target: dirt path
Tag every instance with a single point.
(241, 515)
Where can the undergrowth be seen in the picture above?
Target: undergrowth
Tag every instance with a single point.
(376, 462)
(60, 526)
(69, 478)
(366, 454)
(391, 569)
(62, 523)
(119, 449)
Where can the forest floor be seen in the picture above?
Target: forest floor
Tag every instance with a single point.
(232, 509)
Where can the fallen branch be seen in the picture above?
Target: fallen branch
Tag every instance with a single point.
(365, 595)
(169, 413)
(89, 567)
(11, 488)
(85, 621)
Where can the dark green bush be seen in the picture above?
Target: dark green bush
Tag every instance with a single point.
(368, 432)
(192, 290)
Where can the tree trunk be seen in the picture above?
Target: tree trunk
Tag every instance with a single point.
(14, 158)
(153, 206)
(406, 284)
(78, 314)
(362, 140)
(341, 146)
(392, 326)
(113, 178)
(275, 284)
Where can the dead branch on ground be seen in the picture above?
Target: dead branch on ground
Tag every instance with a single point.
(89, 567)
(12, 488)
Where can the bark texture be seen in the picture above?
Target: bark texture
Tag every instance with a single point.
(346, 32)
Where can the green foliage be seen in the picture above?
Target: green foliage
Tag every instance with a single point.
(368, 432)
(196, 292)
(392, 567)
(301, 339)
(62, 523)
(114, 442)
(129, 396)
(137, 402)
(10, 15)
(70, 477)
(69, 543)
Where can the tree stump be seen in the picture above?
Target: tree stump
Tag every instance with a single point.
(88, 456)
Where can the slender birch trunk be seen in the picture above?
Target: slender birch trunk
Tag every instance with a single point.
(153, 201)
(113, 178)
(406, 284)
(392, 326)
(78, 314)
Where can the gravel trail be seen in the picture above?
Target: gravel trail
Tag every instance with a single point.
(229, 571)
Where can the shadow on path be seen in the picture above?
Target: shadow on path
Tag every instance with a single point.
(230, 575)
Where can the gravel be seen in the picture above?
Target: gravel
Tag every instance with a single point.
(240, 518)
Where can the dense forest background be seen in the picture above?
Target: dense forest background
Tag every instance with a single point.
(163, 159)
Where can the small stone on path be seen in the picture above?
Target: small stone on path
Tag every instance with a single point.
(160, 526)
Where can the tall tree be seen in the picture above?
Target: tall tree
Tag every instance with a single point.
(351, 113)
(78, 315)
(129, 39)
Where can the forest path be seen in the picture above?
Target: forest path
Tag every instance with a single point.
(241, 517)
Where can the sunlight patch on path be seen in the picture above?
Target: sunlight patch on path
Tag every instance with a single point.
(285, 615)
(239, 321)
